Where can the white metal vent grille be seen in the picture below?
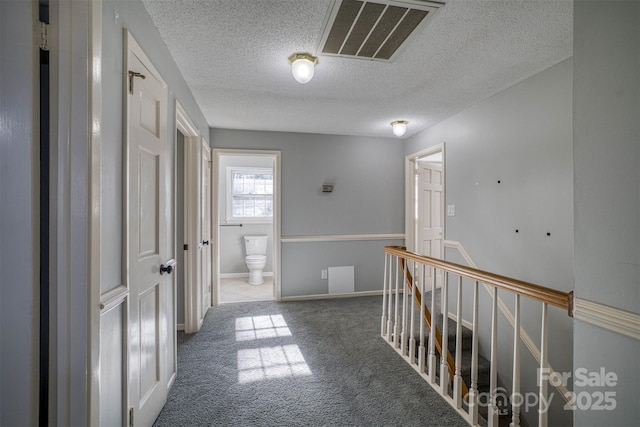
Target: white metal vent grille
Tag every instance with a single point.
(373, 29)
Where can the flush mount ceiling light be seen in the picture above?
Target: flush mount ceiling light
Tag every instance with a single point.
(302, 66)
(399, 127)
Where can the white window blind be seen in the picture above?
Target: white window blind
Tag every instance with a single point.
(250, 195)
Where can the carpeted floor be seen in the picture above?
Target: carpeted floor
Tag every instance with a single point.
(311, 363)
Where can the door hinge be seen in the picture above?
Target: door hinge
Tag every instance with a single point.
(44, 36)
(132, 75)
(186, 247)
(131, 417)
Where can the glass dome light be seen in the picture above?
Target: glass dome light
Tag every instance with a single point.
(303, 66)
(399, 127)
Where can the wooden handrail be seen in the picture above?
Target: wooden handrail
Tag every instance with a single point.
(539, 293)
(427, 319)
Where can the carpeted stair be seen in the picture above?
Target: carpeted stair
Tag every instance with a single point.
(484, 365)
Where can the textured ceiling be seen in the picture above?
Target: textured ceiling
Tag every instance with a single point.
(233, 55)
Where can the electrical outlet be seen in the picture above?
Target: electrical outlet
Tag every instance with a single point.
(323, 274)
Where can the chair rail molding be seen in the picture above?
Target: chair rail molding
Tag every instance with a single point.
(611, 318)
(340, 238)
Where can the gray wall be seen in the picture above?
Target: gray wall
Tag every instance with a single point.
(521, 137)
(606, 192)
(18, 216)
(232, 251)
(368, 199)
(133, 16)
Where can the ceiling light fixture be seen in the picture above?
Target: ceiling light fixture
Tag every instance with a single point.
(399, 127)
(302, 66)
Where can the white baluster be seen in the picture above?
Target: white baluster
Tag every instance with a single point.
(389, 311)
(412, 339)
(457, 377)
(444, 367)
(421, 349)
(396, 327)
(493, 373)
(383, 319)
(473, 392)
(544, 368)
(405, 297)
(432, 333)
(516, 399)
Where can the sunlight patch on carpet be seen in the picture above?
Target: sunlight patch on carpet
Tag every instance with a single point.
(282, 361)
(261, 327)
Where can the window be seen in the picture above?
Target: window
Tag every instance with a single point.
(249, 194)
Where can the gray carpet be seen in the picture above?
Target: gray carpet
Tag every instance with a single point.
(327, 366)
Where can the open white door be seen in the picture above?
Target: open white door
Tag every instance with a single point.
(430, 208)
(206, 227)
(430, 202)
(147, 251)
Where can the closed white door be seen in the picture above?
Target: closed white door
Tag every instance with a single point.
(430, 204)
(206, 228)
(147, 232)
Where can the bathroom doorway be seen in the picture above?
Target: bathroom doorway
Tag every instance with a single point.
(246, 211)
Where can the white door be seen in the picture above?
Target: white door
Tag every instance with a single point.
(147, 248)
(430, 193)
(206, 228)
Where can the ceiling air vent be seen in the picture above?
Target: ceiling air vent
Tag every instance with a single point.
(373, 29)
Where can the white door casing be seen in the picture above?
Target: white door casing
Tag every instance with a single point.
(276, 155)
(192, 216)
(425, 199)
(206, 227)
(146, 246)
(193, 292)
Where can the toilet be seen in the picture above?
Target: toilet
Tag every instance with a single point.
(256, 259)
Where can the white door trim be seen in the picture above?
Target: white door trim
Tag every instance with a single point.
(206, 258)
(192, 234)
(217, 153)
(192, 145)
(76, 119)
(95, 200)
(410, 183)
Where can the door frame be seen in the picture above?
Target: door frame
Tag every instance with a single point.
(204, 146)
(75, 37)
(192, 179)
(215, 229)
(410, 194)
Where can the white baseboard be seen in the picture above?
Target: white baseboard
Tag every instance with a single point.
(180, 327)
(331, 296)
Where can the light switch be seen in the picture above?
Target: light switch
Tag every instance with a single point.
(451, 210)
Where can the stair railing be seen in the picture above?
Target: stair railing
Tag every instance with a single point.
(399, 330)
(506, 312)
